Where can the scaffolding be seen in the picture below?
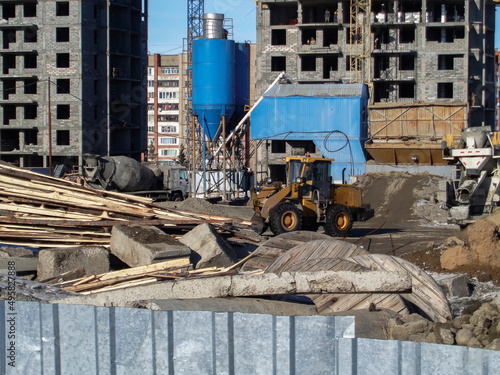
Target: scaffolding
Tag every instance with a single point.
(360, 43)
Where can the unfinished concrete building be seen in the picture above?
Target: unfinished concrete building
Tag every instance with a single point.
(437, 53)
(72, 79)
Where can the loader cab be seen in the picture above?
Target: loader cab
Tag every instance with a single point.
(313, 175)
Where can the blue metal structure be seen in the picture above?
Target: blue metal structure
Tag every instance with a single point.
(213, 82)
(242, 79)
(334, 117)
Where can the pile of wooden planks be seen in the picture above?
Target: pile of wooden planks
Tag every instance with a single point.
(42, 212)
(178, 268)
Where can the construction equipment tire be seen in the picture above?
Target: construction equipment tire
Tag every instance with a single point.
(338, 221)
(285, 217)
(177, 197)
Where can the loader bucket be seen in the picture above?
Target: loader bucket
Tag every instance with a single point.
(258, 224)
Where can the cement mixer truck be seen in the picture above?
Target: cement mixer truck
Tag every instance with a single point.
(127, 175)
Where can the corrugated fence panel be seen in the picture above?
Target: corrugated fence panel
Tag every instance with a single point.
(67, 339)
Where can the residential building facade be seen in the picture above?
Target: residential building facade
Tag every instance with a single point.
(165, 87)
(72, 75)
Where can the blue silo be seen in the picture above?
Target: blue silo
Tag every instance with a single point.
(213, 76)
(242, 59)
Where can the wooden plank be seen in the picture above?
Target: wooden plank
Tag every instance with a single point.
(276, 246)
(329, 248)
(70, 275)
(128, 284)
(426, 293)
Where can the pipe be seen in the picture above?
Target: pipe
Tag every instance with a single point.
(247, 115)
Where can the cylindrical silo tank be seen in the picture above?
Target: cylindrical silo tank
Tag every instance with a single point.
(213, 82)
(242, 79)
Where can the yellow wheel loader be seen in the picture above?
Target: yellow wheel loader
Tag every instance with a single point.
(307, 200)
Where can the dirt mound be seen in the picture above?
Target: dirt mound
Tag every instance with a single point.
(403, 197)
(196, 205)
(475, 252)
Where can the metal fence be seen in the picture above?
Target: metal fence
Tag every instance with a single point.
(69, 339)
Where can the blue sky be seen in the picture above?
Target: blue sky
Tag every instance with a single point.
(168, 22)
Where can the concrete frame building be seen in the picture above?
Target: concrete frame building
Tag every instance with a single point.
(165, 108)
(421, 51)
(72, 75)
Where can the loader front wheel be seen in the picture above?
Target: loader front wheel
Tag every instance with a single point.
(285, 217)
(338, 221)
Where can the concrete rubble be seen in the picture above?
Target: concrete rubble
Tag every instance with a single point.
(143, 245)
(52, 262)
(209, 248)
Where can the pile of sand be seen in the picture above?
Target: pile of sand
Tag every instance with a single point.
(403, 197)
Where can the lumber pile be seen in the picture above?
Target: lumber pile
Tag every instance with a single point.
(173, 269)
(43, 212)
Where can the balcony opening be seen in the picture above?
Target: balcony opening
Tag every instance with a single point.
(62, 34)
(445, 90)
(31, 137)
(278, 63)
(62, 86)
(62, 60)
(30, 112)
(309, 36)
(318, 13)
(8, 10)
(62, 8)
(278, 147)
(278, 37)
(30, 35)
(445, 62)
(10, 140)
(381, 91)
(30, 86)
(407, 90)
(444, 34)
(330, 36)
(9, 62)
(381, 38)
(380, 65)
(30, 61)
(9, 113)
(8, 36)
(407, 62)
(439, 12)
(330, 64)
(63, 111)
(283, 14)
(407, 35)
(9, 88)
(353, 64)
(29, 9)
(62, 137)
(308, 63)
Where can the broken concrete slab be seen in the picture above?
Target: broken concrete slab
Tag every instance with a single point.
(142, 245)
(210, 249)
(6, 252)
(255, 285)
(27, 290)
(53, 262)
(453, 285)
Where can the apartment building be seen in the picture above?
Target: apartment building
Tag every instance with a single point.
(165, 108)
(72, 77)
(418, 50)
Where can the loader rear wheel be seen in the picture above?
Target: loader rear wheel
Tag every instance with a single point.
(338, 220)
(285, 217)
